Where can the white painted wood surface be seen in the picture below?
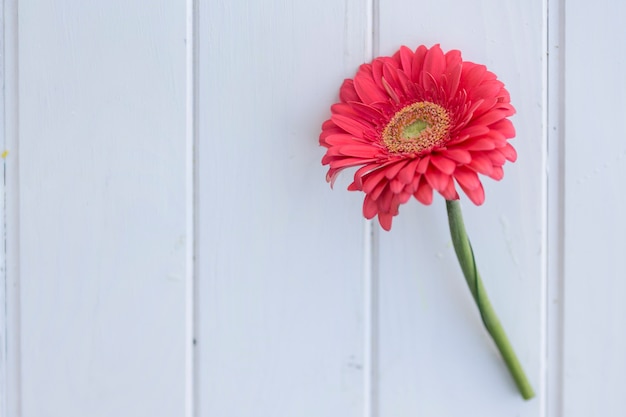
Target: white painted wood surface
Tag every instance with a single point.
(101, 162)
(280, 255)
(140, 136)
(594, 332)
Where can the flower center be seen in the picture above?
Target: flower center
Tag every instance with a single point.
(417, 127)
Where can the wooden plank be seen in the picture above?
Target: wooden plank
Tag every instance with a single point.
(5, 328)
(553, 369)
(435, 357)
(11, 371)
(280, 259)
(102, 207)
(595, 168)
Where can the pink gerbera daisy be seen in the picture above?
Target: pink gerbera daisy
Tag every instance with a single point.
(417, 122)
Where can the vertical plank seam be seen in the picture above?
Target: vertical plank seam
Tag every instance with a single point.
(371, 267)
(11, 304)
(555, 211)
(543, 338)
(371, 286)
(191, 58)
(375, 28)
(3, 275)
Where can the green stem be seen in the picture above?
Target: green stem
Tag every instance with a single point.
(464, 253)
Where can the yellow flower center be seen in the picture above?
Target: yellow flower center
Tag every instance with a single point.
(416, 128)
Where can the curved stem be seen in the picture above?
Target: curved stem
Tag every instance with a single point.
(465, 255)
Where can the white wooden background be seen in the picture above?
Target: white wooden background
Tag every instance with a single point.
(172, 249)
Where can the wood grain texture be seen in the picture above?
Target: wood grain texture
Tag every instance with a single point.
(435, 357)
(594, 368)
(280, 257)
(102, 199)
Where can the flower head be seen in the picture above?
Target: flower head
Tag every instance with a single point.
(417, 122)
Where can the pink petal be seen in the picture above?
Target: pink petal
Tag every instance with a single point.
(424, 193)
(342, 108)
(362, 172)
(327, 133)
(368, 91)
(395, 204)
(472, 74)
(331, 176)
(467, 178)
(487, 104)
(418, 63)
(349, 162)
(396, 186)
(408, 172)
(475, 130)
(407, 86)
(437, 179)
(366, 112)
(509, 152)
(497, 174)
(378, 190)
(429, 82)
(377, 72)
(477, 195)
(370, 207)
(498, 139)
(390, 73)
(449, 192)
(453, 73)
(481, 144)
(489, 118)
(392, 170)
(385, 220)
(507, 108)
(497, 157)
(486, 89)
(403, 197)
(422, 166)
(350, 125)
(333, 153)
(330, 131)
(354, 186)
(434, 64)
(347, 92)
(328, 124)
(481, 163)
(384, 201)
(406, 59)
(444, 164)
(459, 155)
(372, 179)
(453, 58)
(360, 151)
(390, 90)
(504, 126)
(344, 139)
